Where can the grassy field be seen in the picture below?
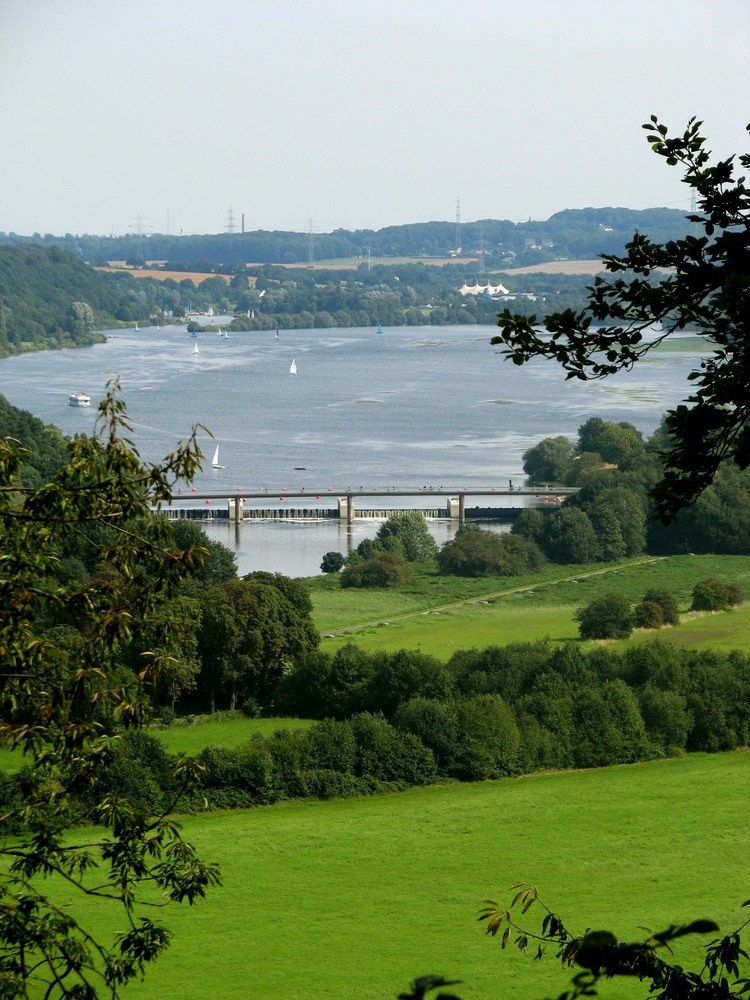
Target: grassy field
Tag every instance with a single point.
(351, 899)
(439, 615)
(222, 732)
(191, 739)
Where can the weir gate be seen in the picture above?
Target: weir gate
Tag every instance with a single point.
(487, 504)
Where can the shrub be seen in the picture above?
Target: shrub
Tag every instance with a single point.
(332, 562)
(648, 614)
(711, 594)
(387, 755)
(332, 746)
(478, 553)
(383, 569)
(608, 617)
(250, 708)
(325, 783)
(666, 601)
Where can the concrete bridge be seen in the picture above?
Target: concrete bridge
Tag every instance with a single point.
(346, 504)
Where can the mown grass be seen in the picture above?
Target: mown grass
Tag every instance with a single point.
(192, 738)
(353, 898)
(225, 732)
(428, 615)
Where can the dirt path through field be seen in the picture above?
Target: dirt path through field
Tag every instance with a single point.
(478, 600)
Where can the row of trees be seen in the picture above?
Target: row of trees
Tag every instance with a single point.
(568, 707)
(575, 234)
(392, 721)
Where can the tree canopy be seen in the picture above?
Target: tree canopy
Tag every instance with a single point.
(698, 282)
(63, 701)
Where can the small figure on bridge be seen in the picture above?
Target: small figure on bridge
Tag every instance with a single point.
(510, 484)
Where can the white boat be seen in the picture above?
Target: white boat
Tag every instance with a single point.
(196, 349)
(137, 328)
(293, 367)
(215, 459)
(79, 399)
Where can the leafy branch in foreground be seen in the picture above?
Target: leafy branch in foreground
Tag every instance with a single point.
(600, 955)
(700, 283)
(65, 705)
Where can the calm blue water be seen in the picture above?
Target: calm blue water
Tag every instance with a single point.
(414, 406)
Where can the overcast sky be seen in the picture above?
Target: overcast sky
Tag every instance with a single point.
(167, 114)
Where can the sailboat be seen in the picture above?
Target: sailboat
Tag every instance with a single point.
(219, 333)
(137, 328)
(293, 367)
(276, 337)
(215, 459)
(196, 350)
(379, 329)
(226, 335)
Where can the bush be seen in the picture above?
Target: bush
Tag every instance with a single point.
(250, 708)
(711, 594)
(332, 562)
(648, 614)
(383, 569)
(608, 617)
(478, 553)
(666, 601)
(387, 755)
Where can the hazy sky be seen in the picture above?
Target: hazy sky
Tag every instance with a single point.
(166, 114)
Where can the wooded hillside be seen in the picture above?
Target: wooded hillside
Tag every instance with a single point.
(573, 233)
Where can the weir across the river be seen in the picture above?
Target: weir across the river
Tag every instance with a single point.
(503, 505)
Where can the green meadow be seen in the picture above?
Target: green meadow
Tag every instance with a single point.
(439, 615)
(354, 898)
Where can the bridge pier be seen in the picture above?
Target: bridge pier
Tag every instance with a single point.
(457, 508)
(235, 509)
(346, 508)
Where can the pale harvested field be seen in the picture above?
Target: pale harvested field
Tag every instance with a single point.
(197, 277)
(568, 267)
(560, 267)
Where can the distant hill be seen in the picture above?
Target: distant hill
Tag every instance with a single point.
(54, 291)
(49, 298)
(573, 233)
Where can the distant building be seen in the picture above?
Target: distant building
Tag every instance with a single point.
(487, 290)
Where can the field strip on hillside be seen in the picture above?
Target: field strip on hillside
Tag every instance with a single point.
(481, 599)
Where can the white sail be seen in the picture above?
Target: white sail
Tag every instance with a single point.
(215, 459)
(196, 350)
(293, 367)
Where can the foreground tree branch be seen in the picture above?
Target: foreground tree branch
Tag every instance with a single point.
(66, 712)
(699, 282)
(600, 956)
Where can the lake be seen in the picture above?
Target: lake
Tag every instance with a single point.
(414, 406)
